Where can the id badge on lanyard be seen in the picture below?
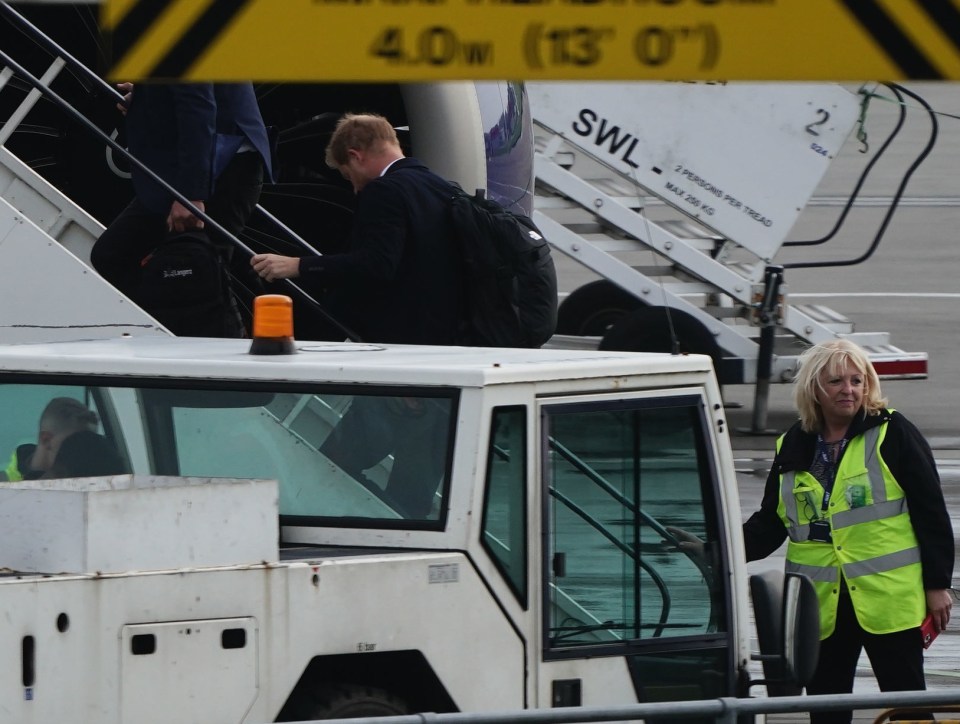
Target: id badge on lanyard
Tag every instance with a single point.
(820, 528)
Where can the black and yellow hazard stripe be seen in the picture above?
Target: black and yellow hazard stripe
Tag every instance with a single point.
(211, 39)
(921, 37)
(162, 39)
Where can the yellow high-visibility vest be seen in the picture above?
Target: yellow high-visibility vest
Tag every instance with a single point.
(12, 471)
(874, 547)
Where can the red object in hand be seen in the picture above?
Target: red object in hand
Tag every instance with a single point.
(928, 631)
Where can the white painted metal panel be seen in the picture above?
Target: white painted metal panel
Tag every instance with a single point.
(743, 158)
(49, 294)
(46, 206)
(191, 672)
(136, 523)
(228, 359)
(361, 604)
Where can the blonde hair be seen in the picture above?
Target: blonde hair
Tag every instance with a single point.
(832, 356)
(362, 132)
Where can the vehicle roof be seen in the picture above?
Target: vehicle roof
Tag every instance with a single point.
(226, 359)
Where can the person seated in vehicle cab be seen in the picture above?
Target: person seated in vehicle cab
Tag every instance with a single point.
(86, 454)
(62, 417)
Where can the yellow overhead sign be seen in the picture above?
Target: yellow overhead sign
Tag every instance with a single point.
(416, 40)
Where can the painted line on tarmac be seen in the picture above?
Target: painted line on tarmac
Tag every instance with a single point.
(940, 672)
(911, 295)
(883, 201)
(860, 202)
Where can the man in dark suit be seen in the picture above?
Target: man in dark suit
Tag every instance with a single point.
(399, 280)
(206, 140)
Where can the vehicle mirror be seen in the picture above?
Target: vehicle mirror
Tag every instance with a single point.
(766, 592)
(787, 617)
(801, 628)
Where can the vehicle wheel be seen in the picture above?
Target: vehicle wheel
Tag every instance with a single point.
(343, 701)
(590, 310)
(651, 330)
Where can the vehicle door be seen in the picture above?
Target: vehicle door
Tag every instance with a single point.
(627, 615)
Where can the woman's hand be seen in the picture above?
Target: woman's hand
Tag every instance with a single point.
(939, 603)
(686, 541)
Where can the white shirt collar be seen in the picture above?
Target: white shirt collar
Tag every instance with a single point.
(387, 167)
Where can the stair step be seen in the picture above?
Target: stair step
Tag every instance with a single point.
(685, 229)
(826, 316)
(617, 187)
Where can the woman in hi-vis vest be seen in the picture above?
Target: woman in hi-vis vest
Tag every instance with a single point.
(855, 491)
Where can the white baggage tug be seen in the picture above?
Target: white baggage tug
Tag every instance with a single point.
(356, 530)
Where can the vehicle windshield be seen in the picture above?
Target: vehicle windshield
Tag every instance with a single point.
(342, 456)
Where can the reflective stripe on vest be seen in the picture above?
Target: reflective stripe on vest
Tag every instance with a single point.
(817, 574)
(873, 545)
(882, 564)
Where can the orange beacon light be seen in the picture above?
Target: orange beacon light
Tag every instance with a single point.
(272, 325)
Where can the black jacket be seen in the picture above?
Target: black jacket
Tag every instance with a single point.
(400, 280)
(187, 133)
(909, 458)
(24, 454)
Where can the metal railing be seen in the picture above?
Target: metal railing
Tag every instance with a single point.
(724, 710)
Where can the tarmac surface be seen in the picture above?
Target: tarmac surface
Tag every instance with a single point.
(910, 288)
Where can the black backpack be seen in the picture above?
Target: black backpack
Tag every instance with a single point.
(509, 276)
(184, 285)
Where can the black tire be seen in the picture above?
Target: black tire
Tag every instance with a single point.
(591, 310)
(650, 329)
(343, 701)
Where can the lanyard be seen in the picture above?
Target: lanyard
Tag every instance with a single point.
(829, 466)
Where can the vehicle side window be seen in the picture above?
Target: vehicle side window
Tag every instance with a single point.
(619, 477)
(504, 532)
(339, 458)
(350, 456)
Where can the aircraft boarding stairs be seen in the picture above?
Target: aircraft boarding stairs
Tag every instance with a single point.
(50, 292)
(649, 255)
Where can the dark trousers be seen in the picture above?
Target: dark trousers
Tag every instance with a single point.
(896, 658)
(413, 430)
(137, 230)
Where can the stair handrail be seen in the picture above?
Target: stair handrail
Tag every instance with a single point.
(88, 125)
(51, 46)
